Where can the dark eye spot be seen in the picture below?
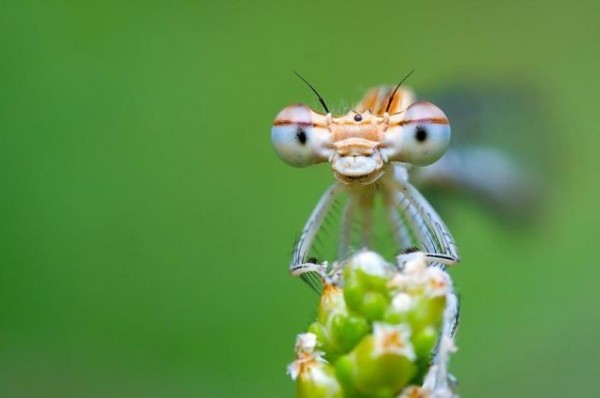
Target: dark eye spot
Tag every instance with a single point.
(301, 136)
(420, 134)
(357, 117)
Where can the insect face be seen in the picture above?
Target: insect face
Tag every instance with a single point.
(359, 144)
(356, 139)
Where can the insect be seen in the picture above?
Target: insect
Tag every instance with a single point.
(371, 150)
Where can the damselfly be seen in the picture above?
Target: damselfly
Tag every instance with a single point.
(371, 150)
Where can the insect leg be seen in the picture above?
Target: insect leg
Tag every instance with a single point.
(414, 220)
(299, 264)
(447, 252)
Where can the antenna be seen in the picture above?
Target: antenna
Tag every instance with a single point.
(321, 100)
(387, 108)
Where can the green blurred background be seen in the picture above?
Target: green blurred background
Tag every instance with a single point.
(146, 223)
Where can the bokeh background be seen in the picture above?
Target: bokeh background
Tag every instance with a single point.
(146, 223)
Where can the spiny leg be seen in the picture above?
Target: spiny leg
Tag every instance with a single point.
(300, 266)
(447, 252)
(415, 221)
(444, 249)
(425, 222)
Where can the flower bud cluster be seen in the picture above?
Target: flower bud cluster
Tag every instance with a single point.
(375, 331)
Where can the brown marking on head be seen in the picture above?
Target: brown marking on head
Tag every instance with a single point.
(287, 122)
(432, 120)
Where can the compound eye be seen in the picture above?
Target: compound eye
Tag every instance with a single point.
(298, 137)
(423, 134)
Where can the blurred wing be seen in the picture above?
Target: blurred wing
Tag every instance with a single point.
(498, 151)
(503, 114)
(487, 174)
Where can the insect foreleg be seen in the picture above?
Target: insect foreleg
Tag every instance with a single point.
(447, 251)
(305, 241)
(415, 222)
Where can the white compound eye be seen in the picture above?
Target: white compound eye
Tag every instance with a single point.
(419, 136)
(300, 136)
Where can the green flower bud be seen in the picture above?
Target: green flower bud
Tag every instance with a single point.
(323, 337)
(381, 365)
(315, 378)
(337, 331)
(373, 305)
(348, 331)
(423, 342)
(366, 285)
(427, 312)
(332, 301)
(318, 380)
